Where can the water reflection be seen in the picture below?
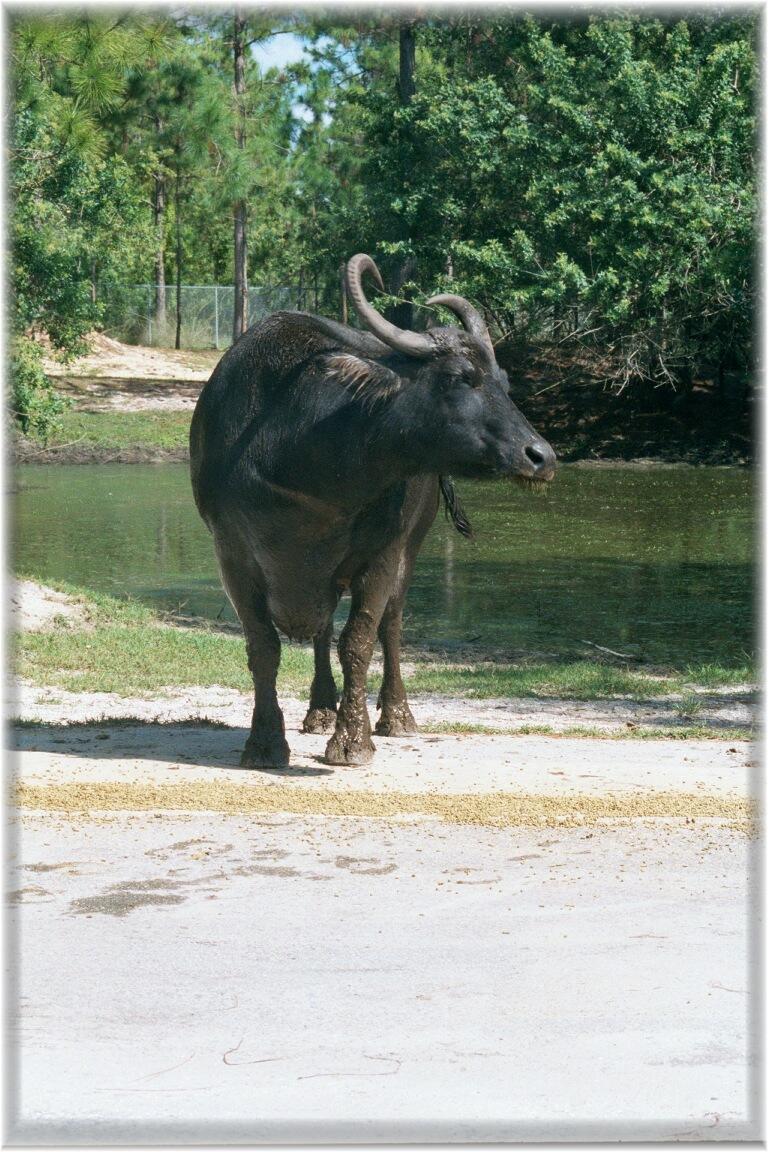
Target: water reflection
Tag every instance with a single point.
(656, 562)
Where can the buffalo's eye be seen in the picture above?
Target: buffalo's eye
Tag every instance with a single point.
(471, 379)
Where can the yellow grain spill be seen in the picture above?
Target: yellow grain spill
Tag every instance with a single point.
(494, 809)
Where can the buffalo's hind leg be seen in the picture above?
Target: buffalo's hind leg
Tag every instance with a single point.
(266, 746)
(395, 718)
(323, 695)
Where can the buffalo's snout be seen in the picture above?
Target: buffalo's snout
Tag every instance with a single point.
(539, 460)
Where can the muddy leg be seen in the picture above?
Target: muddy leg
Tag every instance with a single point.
(323, 695)
(266, 745)
(396, 718)
(351, 741)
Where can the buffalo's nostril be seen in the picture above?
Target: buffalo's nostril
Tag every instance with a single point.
(534, 455)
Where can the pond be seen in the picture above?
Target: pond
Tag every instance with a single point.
(654, 562)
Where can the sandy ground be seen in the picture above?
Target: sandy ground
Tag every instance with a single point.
(472, 938)
(112, 359)
(132, 378)
(127, 395)
(231, 708)
(91, 750)
(34, 607)
(494, 780)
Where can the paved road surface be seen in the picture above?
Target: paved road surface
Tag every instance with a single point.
(198, 976)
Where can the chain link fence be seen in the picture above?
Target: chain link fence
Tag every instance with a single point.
(132, 314)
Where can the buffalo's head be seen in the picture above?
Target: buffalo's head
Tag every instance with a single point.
(463, 415)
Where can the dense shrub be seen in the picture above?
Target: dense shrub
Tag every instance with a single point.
(591, 181)
(34, 403)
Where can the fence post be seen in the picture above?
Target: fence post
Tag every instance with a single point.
(216, 315)
(149, 317)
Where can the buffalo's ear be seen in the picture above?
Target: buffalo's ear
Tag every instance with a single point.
(363, 378)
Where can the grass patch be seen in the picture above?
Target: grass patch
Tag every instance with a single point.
(139, 659)
(689, 706)
(120, 431)
(699, 732)
(125, 648)
(573, 680)
(717, 676)
(575, 732)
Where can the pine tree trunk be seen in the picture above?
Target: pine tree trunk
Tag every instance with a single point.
(177, 205)
(240, 322)
(407, 63)
(159, 215)
(402, 314)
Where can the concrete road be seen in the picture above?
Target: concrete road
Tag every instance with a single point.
(199, 977)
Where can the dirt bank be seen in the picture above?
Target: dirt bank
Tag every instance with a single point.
(27, 451)
(30, 452)
(709, 421)
(34, 607)
(107, 394)
(110, 359)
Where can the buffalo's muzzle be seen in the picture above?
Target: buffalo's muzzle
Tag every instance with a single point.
(539, 461)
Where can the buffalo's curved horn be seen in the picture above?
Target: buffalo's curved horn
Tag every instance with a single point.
(469, 316)
(412, 343)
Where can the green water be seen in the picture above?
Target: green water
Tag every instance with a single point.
(658, 563)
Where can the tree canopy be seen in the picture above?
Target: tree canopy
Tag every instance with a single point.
(590, 181)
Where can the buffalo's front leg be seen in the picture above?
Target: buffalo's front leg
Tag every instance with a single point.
(323, 695)
(351, 741)
(395, 718)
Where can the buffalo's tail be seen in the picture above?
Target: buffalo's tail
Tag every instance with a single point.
(453, 508)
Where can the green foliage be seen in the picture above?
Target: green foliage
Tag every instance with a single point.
(34, 403)
(71, 199)
(67, 211)
(590, 181)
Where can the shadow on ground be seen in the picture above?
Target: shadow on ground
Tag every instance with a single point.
(197, 744)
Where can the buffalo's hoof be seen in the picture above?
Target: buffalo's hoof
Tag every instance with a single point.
(343, 750)
(273, 753)
(319, 720)
(396, 721)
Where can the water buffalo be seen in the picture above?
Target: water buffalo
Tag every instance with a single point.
(319, 454)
